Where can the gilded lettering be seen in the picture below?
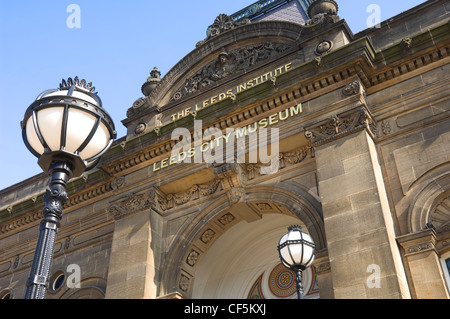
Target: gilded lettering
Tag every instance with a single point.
(164, 163)
(285, 116)
(202, 148)
(295, 110)
(273, 119)
(230, 93)
(287, 67)
(227, 136)
(241, 132)
(181, 156)
(263, 123)
(173, 160)
(252, 129)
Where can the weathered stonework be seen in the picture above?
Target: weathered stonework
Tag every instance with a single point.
(363, 165)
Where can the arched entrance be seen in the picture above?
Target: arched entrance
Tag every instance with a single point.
(230, 248)
(244, 263)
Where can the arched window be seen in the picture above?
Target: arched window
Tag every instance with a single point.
(446, 269)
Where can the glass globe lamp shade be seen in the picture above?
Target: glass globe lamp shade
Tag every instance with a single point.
(68, 124)
(296, 249)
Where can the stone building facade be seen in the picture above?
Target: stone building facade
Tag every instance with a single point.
(359, 131)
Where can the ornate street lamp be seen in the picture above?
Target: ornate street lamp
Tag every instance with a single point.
(296, 250)
(68, 130)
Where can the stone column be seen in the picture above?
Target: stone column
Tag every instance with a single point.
(423, 262)
(364, 256)
(133, 268)
(323, 273)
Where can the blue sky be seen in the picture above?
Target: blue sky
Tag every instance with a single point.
(117, 45)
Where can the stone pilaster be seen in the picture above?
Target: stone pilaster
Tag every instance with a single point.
(134, 262)
(363, 252)
(423, 264)
(323, 273)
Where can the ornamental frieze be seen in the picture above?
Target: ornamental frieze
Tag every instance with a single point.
(228, 63)
(195, 192)
(285, 159)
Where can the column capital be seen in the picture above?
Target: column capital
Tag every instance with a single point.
(340, 125)
(135, 202)
(418, 242)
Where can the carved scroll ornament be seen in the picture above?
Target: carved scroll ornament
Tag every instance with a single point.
(221, 24)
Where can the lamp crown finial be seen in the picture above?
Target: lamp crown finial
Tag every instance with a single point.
(78, 83)
(295, 227)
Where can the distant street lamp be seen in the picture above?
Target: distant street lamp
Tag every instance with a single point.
(296, 250)
(68, 130)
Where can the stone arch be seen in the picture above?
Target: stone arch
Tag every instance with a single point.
(428, 200)
(220, 215)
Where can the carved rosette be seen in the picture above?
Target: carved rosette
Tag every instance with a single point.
(192, 258)
(323, 47)
(184, 283)
(207, 236)
(138, 108)
(341, 125)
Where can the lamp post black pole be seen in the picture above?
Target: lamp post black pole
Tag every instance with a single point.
(298, 282)
(55, 198)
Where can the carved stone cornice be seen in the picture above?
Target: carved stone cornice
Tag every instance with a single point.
(28, 219)
(341, 125)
